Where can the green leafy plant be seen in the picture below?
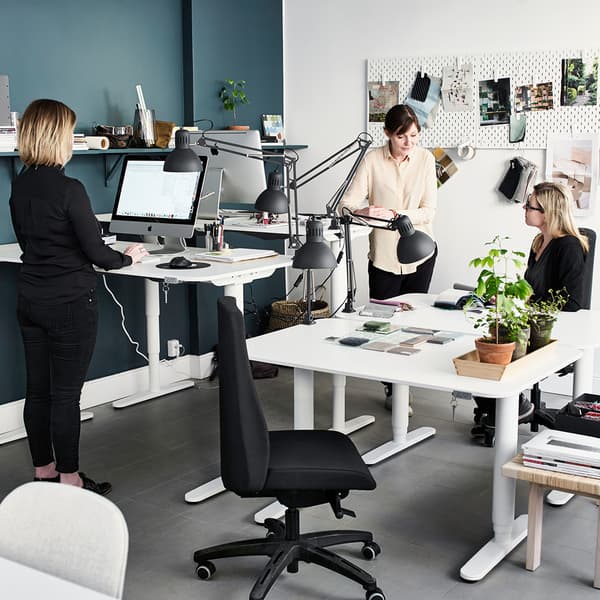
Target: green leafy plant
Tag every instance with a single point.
(500, 284)
(548, 309)
(232, 94)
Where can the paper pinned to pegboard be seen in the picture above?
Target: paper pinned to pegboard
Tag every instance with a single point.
(455, 127)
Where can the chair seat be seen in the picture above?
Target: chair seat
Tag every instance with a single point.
(315, 460)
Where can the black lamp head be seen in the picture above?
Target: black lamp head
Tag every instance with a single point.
(315, 253)
(413, 245)
(272, 200)
(182, 159)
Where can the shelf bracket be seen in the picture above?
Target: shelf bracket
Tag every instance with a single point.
(109, 171)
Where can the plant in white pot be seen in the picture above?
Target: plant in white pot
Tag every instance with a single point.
(542, 315)
(501, 285)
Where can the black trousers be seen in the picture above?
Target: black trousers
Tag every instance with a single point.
(383, 284)
(59, 341)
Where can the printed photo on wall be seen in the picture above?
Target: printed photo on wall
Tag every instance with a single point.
(494, 101)
(579, 78)
(457, 87)
(382, 96)
(573, 161)
(534, 97)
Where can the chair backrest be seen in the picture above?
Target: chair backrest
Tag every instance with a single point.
(244, 435)
(68, 532)
(588, 271)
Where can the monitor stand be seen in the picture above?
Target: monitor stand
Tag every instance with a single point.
(170, 245)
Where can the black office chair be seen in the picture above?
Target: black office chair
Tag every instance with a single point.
(299, 468)
(540, 415)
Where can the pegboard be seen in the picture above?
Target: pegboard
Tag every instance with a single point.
(523, 68)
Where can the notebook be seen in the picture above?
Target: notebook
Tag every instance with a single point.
(232, 255)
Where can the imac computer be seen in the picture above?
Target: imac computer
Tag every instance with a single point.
(232, 178)
(152, 202)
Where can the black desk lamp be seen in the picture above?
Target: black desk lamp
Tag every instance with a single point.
(413, 245)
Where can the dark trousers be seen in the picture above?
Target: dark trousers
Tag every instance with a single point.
(383, 284)
(59, 341)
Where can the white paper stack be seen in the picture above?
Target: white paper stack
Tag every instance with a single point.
(564, 452)
(8, 138)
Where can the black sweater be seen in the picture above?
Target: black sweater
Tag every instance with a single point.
(59, 235)
(560, 266)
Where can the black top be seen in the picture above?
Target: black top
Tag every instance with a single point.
(59, 235)
(560, 266)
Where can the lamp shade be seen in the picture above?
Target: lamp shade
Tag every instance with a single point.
(315, 253)
(272, 200)
(182, 159)
(413, 245)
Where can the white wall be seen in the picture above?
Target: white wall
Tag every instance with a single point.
(327, 44)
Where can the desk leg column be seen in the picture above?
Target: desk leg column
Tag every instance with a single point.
(155, 390)
(339, 409)
(508, 531)
(304, 418)
(237, 291)
(402, 438)
(582, 383)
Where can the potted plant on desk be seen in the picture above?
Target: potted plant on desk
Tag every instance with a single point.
(500, 285)
(232, 94)
(542, 316)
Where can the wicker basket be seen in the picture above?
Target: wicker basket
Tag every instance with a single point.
(285, 313)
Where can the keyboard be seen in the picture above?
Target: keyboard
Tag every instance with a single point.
(152, 258)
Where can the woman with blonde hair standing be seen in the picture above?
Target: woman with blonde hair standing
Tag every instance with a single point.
(61, 241)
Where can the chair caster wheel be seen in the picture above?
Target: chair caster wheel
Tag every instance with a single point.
(275, 528)
(370, 551)
(489, 438)
(375, 594)
(205, 570)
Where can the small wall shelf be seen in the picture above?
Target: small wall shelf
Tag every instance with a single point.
(113, 157)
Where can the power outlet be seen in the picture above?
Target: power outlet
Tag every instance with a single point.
(173, 348)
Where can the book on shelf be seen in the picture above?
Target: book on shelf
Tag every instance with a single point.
(8, 138)
(79, 142)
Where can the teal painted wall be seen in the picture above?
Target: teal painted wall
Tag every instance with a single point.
(91, 55)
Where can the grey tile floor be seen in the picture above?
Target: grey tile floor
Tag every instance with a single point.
(430, 511)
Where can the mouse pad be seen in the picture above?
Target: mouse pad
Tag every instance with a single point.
(194, 265)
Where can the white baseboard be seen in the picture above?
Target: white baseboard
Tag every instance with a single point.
(111, 388)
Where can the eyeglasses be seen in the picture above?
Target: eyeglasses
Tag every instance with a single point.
(528, 206)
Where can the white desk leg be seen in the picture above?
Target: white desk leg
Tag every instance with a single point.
(508, 531)
(304, 418)
(153, 335)
(582, 383)
(339, 409)
(215, 486)
(402, 438)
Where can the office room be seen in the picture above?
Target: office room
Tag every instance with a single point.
(307, 61)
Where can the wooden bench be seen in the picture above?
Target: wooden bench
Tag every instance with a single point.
(539, 480)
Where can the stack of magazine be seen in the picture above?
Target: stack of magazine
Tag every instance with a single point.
(563, 452)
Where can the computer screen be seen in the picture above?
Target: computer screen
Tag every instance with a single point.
(150, 201)
(242, 178)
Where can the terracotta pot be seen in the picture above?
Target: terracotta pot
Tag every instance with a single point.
(497, 354)
(238, 127)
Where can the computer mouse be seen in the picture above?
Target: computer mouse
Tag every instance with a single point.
(180, 262)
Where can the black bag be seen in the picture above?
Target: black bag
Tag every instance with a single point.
(260, 370)
(581, 415)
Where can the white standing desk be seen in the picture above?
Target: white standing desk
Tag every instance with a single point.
(20, 582)
(305, 349)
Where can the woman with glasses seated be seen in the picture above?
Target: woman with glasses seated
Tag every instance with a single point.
(556, 262)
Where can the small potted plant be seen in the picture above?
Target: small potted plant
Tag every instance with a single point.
(232, 94)
(506, 321)
(542, 315)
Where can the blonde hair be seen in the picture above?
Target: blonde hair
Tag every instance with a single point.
(557, 202)
(46, 133)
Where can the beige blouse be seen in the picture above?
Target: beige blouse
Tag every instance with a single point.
(409, 188)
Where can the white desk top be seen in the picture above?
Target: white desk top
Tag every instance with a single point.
(304, 346)
(24, 583)
(218, 273)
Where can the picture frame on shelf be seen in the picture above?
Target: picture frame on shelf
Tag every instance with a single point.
(273, 131)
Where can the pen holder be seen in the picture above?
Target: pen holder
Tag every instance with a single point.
(143, 127)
